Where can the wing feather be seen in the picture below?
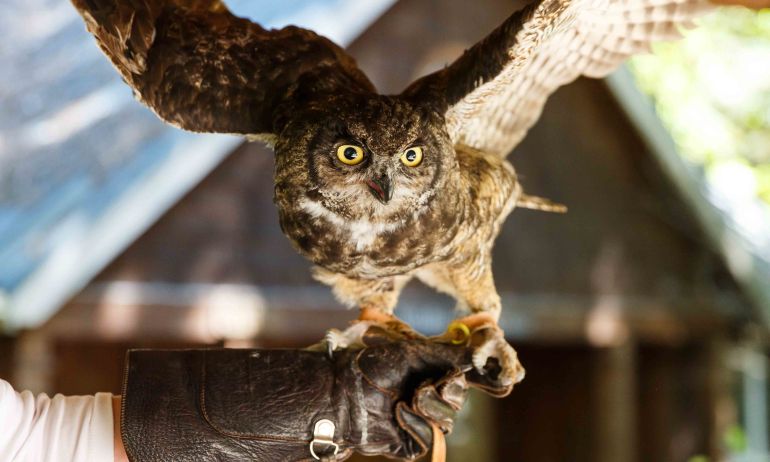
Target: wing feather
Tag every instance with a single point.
(546, 45)
(203, 69)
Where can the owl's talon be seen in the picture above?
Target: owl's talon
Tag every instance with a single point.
(336, 339)
(353, 336)
(333, 339)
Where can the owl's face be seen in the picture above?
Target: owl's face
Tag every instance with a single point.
(371, 157)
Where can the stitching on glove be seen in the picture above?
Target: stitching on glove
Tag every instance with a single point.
(423, 444)
(238, 435)
(393, 394)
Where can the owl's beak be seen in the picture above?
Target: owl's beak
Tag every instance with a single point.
(381, 188)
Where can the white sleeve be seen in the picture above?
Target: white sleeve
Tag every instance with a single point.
(58, 429)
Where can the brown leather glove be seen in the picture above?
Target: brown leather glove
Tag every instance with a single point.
(296, 405)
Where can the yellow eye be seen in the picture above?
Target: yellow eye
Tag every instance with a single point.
(349, 154)
(412, 157)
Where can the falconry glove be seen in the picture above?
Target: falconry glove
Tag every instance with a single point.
(384, 397)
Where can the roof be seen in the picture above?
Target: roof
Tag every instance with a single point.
(739, 232)
(69, 204)
(71, 198)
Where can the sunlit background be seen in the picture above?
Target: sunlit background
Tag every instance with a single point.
(711, 91)
(641, 315)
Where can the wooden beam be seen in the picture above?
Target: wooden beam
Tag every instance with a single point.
(204, 312)
(7, 348)
(658, 404)
(614, 396)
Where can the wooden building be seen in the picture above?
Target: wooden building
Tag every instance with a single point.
(634, 327)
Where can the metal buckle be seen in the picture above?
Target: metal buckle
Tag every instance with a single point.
(323, 433)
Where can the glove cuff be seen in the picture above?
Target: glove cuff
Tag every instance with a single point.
(260, 405)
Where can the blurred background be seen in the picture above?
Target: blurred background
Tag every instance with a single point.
(641, 315)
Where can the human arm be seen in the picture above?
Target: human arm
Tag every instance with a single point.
(40, 428)
(119, 450)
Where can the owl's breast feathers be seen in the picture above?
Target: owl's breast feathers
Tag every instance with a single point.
(464, 217)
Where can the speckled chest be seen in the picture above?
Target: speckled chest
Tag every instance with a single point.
(454, 225)
(365, 249)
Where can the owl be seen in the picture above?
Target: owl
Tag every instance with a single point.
(378, 189)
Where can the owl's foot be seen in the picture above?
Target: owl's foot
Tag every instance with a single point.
(371, 322)
(353, 336)
(460, 329)
(482, 333)
(336, 339)
(388, 322)
(492, 345)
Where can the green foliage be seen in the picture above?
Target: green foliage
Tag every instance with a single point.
(712, 90)
(735, 442)
(735, 439)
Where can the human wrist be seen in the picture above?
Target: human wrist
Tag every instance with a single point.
(119, 452)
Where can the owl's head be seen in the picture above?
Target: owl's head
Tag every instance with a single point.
(372, 157)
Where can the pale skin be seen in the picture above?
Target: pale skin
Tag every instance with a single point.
(120, 451)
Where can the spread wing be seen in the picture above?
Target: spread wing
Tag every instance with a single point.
(496, 91)
(203, 69)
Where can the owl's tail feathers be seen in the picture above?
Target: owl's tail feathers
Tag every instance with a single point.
(540, 203)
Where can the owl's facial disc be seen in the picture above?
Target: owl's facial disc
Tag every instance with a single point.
(365, 159)
(381, 187)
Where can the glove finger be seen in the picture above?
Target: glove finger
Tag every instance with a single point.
(440, 402)
(419, 431)
(453, 389)
(402, 366)
(428, 403)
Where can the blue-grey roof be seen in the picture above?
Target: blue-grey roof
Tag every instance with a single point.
(85, 169)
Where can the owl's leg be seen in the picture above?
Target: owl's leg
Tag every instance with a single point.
(476, 291)
(376, 299)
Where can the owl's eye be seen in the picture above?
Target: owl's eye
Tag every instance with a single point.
(350, 155)
(412, 157)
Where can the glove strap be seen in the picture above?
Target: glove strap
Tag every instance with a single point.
(439, 445)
